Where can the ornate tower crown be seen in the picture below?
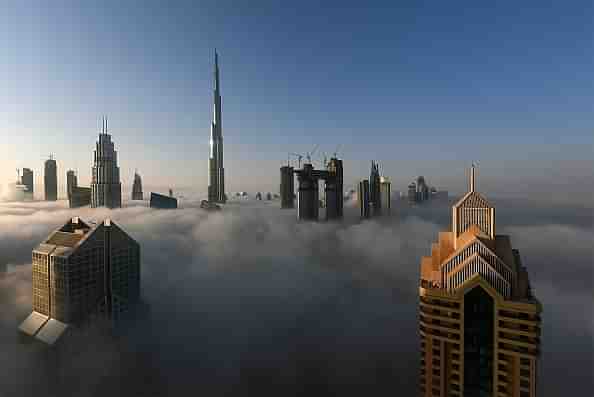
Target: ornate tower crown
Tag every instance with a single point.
(473, 209)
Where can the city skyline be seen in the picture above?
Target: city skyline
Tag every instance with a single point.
(392, 75)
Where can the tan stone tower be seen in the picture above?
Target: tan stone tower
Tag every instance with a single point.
(479, 322)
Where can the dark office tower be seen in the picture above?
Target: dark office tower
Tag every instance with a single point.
(79, 197)
(374, 189)
(333, 189)
(27, 180)
(479, 321)
(308, 197)
(363, 198)
(105, 186)
(79, 270)
(422, 189)
(71, 182)
(412, 193)
(216, 171)
(162, 202)
(137, 187)
(287, 187)
(386, 195)
(50, 179)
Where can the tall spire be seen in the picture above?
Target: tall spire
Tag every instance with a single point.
(217, 82)
(472, 180)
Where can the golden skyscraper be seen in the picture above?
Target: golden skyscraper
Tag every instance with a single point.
(479, 322)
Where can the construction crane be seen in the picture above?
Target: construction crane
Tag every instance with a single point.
(299, 157)
(309, 154)
(337, 149)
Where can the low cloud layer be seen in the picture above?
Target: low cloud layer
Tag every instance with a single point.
(249, 301)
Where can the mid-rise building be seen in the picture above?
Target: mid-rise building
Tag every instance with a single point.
(79, 271)
(162, 201)
(105, 185)
(80, 197)
(50, 179)
(71, 182)
(479, 320)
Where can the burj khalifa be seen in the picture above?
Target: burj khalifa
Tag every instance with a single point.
(216, 171)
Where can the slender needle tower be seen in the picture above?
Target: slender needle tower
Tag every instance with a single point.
(216, 171)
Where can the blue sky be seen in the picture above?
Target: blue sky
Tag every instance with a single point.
(425, 87)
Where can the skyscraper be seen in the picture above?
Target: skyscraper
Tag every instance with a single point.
(27, 180)
(78, 270)
(50, 179)
(106, 188)
(386, 195)
(363, 198)
(334, 189)
(479, 321)
(71, 182)
(287, 186)
(137, 187)
(375, 198)
(216, 171)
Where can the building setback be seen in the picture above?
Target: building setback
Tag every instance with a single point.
(50, 180)
(479, 321)
(105, 185)
(79, 270)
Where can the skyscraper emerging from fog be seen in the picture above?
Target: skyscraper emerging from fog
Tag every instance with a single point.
(79, 270)
(106, 188)
(479, 321)
(137, 187)
(50, 179)
(71, 182)
(27, 180)
(216, 171)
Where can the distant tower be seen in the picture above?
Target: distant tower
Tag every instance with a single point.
(374, 189)
(71, 182)
(363, 198)
(412, 193)
(50, 179)
(27, 180)
(334, 189)
(216, 171)
(385, 193)
(287, 187)
(422, 189)
(479, 321)
(137, 187)
(106, 186)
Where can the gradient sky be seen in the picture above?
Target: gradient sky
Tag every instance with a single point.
(425, 87)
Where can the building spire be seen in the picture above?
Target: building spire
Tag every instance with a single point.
(217, 82)
(472, 178)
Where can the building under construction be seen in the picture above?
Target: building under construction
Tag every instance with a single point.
(308, 202)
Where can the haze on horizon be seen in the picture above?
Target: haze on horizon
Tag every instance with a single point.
(423, 87)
